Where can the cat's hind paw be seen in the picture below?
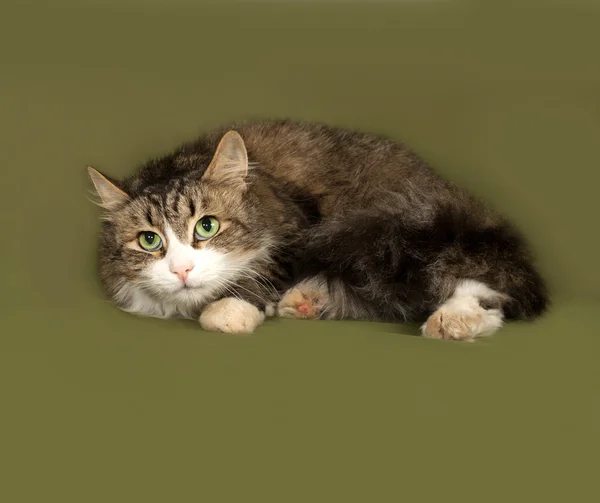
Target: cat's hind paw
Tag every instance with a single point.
(474, 310)
(307, 300)
(462, 324)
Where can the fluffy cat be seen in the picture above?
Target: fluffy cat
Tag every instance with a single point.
(309, 221)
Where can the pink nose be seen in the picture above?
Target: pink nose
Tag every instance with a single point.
(182, 271)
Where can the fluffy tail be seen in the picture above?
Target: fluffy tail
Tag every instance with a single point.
(396, 271)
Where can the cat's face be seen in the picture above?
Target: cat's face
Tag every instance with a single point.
(173, 247)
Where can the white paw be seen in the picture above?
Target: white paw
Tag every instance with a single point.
(231, 315)
(462, 321)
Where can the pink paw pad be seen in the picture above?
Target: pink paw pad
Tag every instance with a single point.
(303, 308)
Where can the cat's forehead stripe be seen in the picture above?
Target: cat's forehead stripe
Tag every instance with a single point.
(149, 217)
(175, 204)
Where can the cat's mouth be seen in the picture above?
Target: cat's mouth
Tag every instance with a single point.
(189, 292)
(186, 287)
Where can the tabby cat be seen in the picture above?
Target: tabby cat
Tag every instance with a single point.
(309, 221)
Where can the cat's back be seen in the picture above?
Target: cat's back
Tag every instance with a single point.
(318, 157)
(317, 146)
(353, 170)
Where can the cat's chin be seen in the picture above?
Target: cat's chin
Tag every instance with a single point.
(189, 293)
(186, 302)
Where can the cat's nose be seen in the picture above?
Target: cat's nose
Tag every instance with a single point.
(182, 270)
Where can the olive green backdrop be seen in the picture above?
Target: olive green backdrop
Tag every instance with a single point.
(101, 406)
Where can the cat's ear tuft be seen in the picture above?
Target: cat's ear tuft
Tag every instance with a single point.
(230, 162)
(110, 195)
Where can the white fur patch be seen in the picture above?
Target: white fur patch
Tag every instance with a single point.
(136, 301)
(231, 315)
(270, 310)
(461, 317)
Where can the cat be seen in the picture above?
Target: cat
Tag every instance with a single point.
(294, 219)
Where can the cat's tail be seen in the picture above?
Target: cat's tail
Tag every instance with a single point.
(484, 247)
(495, 254)
(528, 294)
(392, 270)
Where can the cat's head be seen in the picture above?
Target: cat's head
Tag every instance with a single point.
(175, 240)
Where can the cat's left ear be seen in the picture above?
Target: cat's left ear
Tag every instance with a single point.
(230, 162)
(111, 196)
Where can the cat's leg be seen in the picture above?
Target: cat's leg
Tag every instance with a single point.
(474, 310)
(305, 300)
(231, 315)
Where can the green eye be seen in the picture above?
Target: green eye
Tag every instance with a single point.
(206, 228)
(150, 241)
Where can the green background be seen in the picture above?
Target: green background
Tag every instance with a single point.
(100, 406)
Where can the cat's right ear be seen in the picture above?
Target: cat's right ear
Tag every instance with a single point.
(110, 195)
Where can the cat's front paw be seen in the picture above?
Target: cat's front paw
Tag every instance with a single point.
(232, 316)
